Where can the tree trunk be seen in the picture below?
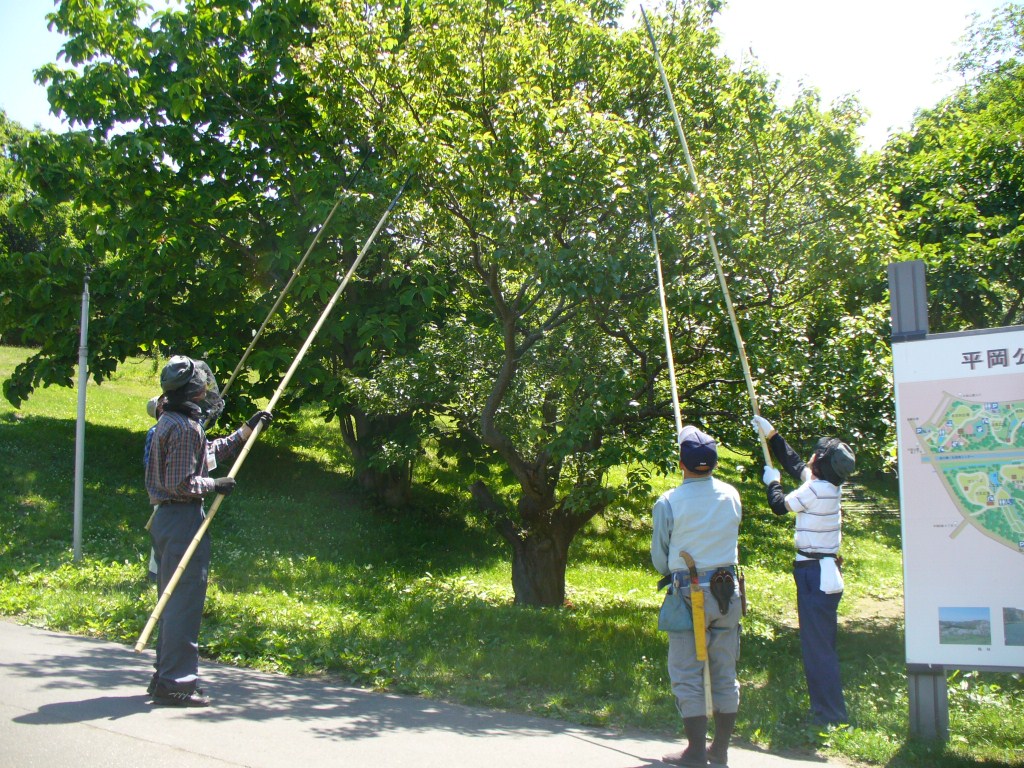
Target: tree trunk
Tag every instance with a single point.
(390, 485)
(538, 569)
(540, 550)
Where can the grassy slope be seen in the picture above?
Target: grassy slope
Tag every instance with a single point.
(308, 579)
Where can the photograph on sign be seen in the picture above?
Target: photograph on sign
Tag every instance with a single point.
(965, 626)
(1013, 626)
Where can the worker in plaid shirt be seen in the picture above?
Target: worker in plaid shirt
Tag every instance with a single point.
(177, 478)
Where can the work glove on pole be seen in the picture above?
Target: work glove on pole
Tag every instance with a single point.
(771, 475)
(260, 417)
(224, 485)
(762, 426)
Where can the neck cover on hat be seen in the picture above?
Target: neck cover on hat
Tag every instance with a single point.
(833, 460)
(200, 397)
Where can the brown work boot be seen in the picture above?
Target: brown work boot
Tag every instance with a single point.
(695, 753)
(718, 752)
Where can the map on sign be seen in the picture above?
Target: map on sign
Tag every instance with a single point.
(976, 448)
(960, 440)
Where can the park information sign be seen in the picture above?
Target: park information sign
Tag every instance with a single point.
(960, 435)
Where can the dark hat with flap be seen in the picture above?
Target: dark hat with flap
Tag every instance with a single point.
(834, 460)
(177, 373)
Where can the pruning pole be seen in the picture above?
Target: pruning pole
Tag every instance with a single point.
(169, 589)
(708, 703)
(664, 321)
(295, 274)
(711, 238)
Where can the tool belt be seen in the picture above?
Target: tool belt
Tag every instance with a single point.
(723, 583)
(821, 556)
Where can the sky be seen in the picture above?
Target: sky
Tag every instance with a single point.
(891, 54)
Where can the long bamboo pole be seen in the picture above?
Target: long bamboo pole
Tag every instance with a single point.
(708, 703)
(295, 274)
(176, 577)
(664, 321)
(711, 238)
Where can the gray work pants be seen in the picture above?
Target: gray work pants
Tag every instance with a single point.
(686, 673)
(177, 647)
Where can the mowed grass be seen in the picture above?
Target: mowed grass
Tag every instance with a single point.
(309, 579)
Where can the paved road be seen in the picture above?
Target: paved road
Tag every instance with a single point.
(73, 701)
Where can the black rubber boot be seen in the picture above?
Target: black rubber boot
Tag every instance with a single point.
(718, 752)
(166, 697)
(695, 753)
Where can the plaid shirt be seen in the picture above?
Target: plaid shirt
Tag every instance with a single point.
(177, 470)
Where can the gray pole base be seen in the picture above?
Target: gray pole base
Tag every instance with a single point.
(929, 701)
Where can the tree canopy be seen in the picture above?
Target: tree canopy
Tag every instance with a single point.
(958, 179)
(37, 242)
(508, 315)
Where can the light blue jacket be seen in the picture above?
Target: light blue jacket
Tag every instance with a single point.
(702, 516)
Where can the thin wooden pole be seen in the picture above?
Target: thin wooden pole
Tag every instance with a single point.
(288, 285)
(664, 321)
(701, 654)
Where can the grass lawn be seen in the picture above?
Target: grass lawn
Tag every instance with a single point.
(308, 579)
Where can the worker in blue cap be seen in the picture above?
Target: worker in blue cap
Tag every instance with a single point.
(694, 545)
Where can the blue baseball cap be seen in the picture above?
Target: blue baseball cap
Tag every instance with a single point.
(697, 451)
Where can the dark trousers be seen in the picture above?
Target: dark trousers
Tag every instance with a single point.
(177, 646)
(818, 628)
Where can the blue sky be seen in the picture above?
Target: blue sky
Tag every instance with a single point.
(25, 45)
(892, 54)
(964, 614)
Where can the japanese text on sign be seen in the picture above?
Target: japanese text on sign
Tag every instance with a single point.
(993, 358)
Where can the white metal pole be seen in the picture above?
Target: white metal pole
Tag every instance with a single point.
(83, 379)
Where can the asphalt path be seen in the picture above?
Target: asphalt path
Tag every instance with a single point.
(79, 702)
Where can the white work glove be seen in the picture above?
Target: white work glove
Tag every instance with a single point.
(762, 425)
(771, 475)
